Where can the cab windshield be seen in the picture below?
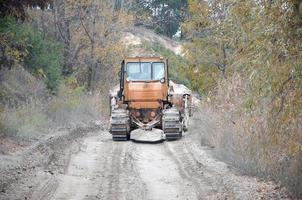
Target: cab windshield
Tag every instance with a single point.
(145, 71)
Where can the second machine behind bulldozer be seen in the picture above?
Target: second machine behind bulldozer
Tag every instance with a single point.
(146, 99)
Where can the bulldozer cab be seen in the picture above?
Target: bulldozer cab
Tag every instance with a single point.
(145, 71)
(144, 82)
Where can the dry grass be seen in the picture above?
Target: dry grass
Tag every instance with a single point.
(28, 112)
(249, 138)
(24, 122)
(74, 108)
(67, 111)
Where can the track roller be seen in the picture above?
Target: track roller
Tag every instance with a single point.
(119, 125)
(171, 124)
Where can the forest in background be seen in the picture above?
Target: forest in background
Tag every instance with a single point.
(244, 58)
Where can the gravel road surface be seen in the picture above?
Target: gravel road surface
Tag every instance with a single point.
(95, 167)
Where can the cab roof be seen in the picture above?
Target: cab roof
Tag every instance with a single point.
(145, 59)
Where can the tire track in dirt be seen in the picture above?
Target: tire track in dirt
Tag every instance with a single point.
(31, 173)
(182, 169)
(214, 179)
(196, 172)
(161, 175)
(102, 169)
(114, 184)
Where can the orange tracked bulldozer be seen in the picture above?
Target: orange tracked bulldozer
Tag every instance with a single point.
(145, 99)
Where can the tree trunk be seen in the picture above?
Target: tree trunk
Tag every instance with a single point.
(62, 25)
(92, 67)
(67, 67)
(224, 61)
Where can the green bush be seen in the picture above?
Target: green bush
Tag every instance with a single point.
(41, 55)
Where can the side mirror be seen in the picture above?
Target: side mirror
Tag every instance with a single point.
(163, 80)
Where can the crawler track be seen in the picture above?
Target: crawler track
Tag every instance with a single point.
(119, 125)
(172, 126)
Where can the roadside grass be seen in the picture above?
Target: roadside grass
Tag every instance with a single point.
(68, 111)
(249, 138)
(28, 112)
(23, 122)
(74, 107)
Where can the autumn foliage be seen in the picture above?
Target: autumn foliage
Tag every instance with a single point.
(18, 8)
(246, 57)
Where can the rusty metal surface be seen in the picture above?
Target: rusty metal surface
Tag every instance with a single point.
(146, 94)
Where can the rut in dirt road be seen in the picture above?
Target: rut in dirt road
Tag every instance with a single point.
(181, 169)
(122, 170)
(101, 170)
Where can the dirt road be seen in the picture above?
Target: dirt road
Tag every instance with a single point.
(95, 167)
(183, 169)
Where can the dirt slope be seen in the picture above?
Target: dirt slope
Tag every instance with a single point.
(137, 36)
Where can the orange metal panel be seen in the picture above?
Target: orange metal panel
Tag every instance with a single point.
(145, 94)
(145, 91)
(145, 105)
